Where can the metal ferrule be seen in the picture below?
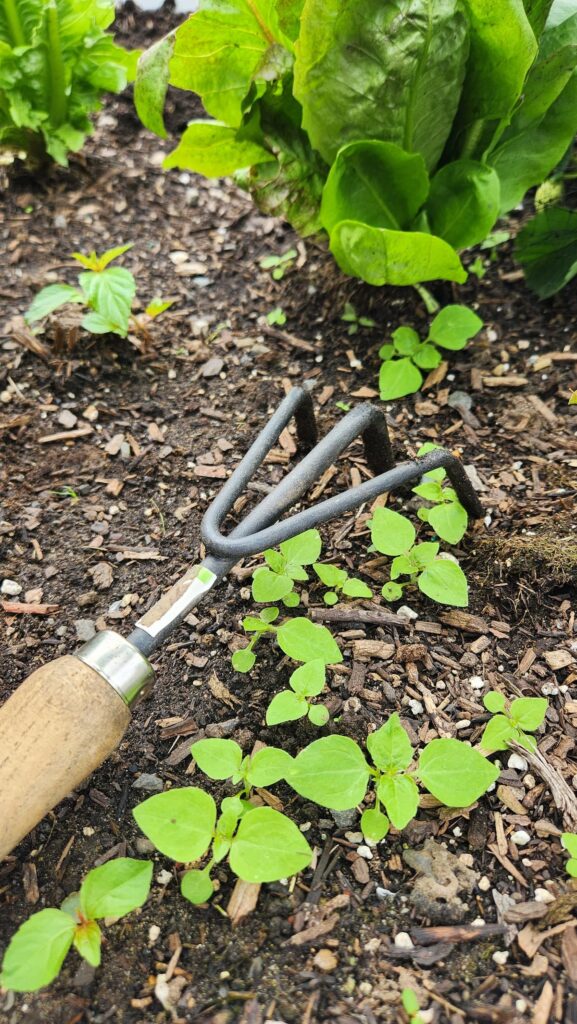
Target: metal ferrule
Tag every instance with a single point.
(120, 663)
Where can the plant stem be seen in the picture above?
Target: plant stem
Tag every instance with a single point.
(15, 26)
(55, 68)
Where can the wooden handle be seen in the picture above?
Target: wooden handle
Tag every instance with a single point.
(58, 726)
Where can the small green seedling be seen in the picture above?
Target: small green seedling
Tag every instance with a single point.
(411, 1006)
(334, 773)
(350, 317)
(299, 638)
(340, 583)
(447, 517)
(67, 492)
(39, 947)
(275, 580)
(262, 845)
(276, 317)
(290, 705)
(512, 724)
(106, 292)
(573, 399)
(569, 842)
(278, 265)
(403, 360)
(439, 578)
(478, 268)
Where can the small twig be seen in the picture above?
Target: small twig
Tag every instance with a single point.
(363, 615)
(563, 796)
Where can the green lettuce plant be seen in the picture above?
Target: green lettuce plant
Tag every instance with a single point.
(407, 355)
(289, 705)
(439, 578)
(569, 842)
(546, 248)
(37, 951)
(56, 62)
(512, 723)
(400, 131)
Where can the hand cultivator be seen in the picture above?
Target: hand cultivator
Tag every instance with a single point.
(68, 716)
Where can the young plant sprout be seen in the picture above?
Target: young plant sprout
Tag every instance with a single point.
(340, 583)
(290, 705)
(447, 517)
(278, 265)
(350, 317)
(569, 842)
(512, 724)
(275, 580)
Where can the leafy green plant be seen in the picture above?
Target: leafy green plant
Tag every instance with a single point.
(262, 845)
(569, 842)
(340, 583)
(439, 578)
(354, 321)
(56, 62)
(275, 580)
(334, 772)
(411, 1006)
(447, 517)
(512, 723)
(407, 355)
(276, 317)
(402, 131)
(299, 638)
(37, 951)
(278, 265)
(546, 248)
(106, 292)
(290, 705)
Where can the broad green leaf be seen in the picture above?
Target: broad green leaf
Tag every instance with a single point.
(217, 758)
(391, 533)
(454, 773)
(494, 702)
(254, 624)
(390, 746)
(356, 588)
(528, 713)
(430, 491)
(449, 520)
(331, 771)
(406, 341)
(376, 183)
(36, 952)
(49, 299)
(497, 734)
(569, 842)
(379, 256)
(270, 586)
(268, 846)
(331, 597)
(403, 565)
(115, 888)
(110, 292)
(222, 48)
(308, 680)
(304, 549)
(464, 202)
(291, 600)
(286, 706)
(397, 378)
(268, 765)
(243, 660)
(445, 582)
(150, 87)
(525, 740)
(269, 615)
(454, 326)
(427, 357)
(400, 796)
(87, 941)
(179, 822)
(275, 560)
(392, 591)
(424, 554)
(95, 323)
(571, 867)
(374, 825)
(215, 150)
(303, 640)
(547, 250)
(404, 60)
(318, 714)
(330, 575)
(196, 886)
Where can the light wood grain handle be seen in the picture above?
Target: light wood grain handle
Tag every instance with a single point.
(58, 726)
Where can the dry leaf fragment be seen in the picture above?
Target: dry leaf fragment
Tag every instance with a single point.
(243, 900)
(102, 575)
(221, 692)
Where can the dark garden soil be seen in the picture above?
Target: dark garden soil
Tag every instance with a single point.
(112, 451)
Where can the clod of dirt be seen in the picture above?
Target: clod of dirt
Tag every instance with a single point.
(441, 876)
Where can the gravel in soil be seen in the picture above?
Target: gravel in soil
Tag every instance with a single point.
(111, 451)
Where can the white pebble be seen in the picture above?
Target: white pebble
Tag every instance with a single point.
(416, 707)
(11, 588)
(520, 837)
(478, 922)
(477, 683)
(501, 957)
(427, 1016)
(164, 877)
(403, 940)
(153, 934)
(521, 1005)
(384, 894)
(529, 781)
(463, 724)
(363, 851)
(549, 690)
(407, 613)
(354, 837)
(518, 762)
(457, 831)
(544, 896)
(484, 884)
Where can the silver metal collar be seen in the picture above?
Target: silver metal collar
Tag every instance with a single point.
(120, 663)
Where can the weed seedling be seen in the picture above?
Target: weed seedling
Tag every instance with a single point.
(404, 359)
(411, 1006)
(512, 724)
(300, 638)
(275, 580)
(439, 578)
(350, 317)
(289, 705)
(447, 517)
(39, 947)
(569, 842)
(278, 265)
(339, 582)
(276, 317)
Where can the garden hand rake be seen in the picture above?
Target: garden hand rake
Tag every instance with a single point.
(68, 716)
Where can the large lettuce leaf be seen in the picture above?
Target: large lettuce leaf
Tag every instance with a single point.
(380, 256)
(547, 250)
